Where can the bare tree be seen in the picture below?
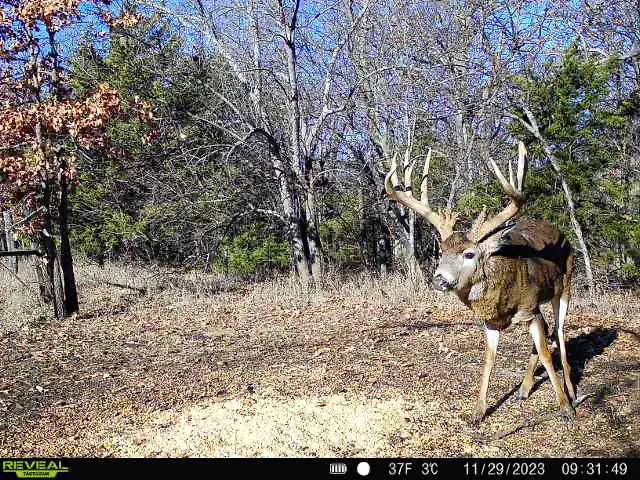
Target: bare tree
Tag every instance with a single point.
(293, 79)
(441, 86)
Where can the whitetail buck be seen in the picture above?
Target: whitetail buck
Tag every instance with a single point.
(503, 272)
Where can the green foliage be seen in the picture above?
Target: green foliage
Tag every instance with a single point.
(108, 206)
(340, 231)
(342, 246)
(477, 197)
(584, 124)
(173, 196)
(122, 228)
(87, 241)
(629, 271)
(119, 232)
(570, 100)
(253, 251)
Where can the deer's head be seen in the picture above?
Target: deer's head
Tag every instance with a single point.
(463, 253)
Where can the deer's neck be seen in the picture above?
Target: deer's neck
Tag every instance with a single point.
(487, 303)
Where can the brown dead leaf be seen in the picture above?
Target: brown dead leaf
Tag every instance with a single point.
(320, 351)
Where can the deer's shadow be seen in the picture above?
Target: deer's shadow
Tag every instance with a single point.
(580, 350)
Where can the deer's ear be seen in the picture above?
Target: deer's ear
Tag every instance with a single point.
(498, 240)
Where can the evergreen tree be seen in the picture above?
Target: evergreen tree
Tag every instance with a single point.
(584, 127)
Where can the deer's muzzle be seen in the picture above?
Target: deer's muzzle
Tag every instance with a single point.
(440, 283)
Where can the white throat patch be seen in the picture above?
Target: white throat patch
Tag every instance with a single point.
(477, 291)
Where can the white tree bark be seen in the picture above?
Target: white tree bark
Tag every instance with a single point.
(532, 126)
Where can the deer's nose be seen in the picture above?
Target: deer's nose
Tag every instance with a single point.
(440, 283)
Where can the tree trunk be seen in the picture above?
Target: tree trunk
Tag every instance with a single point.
(66, 258)
(382, 255)
(574, 221)
(12, 262)
(300, 255)
(300, 164)
(411, 261)
(58, 289)
(362, 227)
(532, 126)
(296, 231)
(404, 248)
(403, 233)
(53, 280)
(41, 278)
(3, 238)
(401, 225)
(313, 237)
(578, 231)
(405, 256)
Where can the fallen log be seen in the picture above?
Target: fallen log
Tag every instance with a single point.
(21, 253)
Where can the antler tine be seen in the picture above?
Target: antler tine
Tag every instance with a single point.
(408, 172)
(508, 186)
(444, 224)
(511, 179)
(391, 179)
(498, 173)
(514, 190)
(424, 196)
(522, 164)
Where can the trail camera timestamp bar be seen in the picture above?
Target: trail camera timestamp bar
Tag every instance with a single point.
(514, 468)
(324, 468)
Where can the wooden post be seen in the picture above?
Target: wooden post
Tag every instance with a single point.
(7, 216)
(39, 269)
(3, 239)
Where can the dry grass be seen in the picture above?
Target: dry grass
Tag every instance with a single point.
(20, 303)
(400, 289)
(197, 365)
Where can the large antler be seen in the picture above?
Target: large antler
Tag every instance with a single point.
(443, 222)
(513, 188)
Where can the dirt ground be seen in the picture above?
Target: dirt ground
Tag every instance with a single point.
(356, 370)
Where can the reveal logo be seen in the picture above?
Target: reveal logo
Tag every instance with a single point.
(34, 468)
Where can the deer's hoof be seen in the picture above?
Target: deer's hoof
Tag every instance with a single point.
(476, 418)
(522, 395)
(567, 412)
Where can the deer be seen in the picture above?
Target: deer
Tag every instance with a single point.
(503, 269)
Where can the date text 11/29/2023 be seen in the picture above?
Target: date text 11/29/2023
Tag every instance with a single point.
(552, 467)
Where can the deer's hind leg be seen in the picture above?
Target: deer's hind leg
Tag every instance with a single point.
(527, 382)
(560, 306)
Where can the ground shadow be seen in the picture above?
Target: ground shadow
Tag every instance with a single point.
(583, 348)
(631, 453)
(421, 325)
(504, 398)
(580, 350)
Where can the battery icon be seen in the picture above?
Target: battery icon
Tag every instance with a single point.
(337, 468)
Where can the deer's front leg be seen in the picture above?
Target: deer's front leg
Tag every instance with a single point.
(537, 332)
(491, 336)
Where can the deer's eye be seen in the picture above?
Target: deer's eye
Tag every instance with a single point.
(469, 255)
